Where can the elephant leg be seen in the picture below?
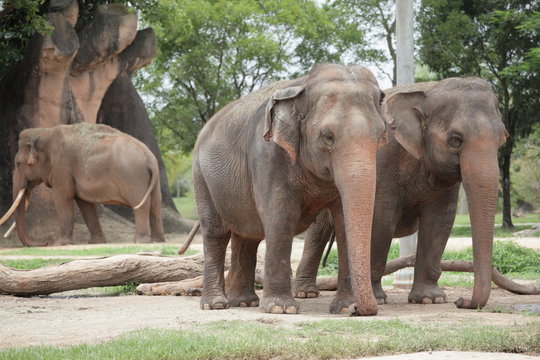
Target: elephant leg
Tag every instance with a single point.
(344, 294)
(241, 277)
(63, 202)
(215, 240)
(90, 216)
(279, 231)
(156, 221)
(142, 224)
(435, 227)
(314, 243)
(382, 231)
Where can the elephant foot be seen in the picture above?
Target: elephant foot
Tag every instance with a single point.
(305, 289)
(214, 303)
(379, 293)
(431, 294)
(340, 304)
(275, 305)
(243, 300)
(354, 310)
(143, 239)
(97, 240)
(63, 241)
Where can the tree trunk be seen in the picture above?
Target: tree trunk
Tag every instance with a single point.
(108, 271)
(506, 154)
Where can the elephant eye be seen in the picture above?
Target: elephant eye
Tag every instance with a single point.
(327, 138)
(455, 141)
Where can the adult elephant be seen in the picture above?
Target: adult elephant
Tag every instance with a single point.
(322, 132)
(440, 134)
(89, 164)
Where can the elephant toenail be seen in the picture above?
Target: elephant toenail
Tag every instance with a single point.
(301, 294)
(439, 300)
(311, 295)
(206, 307)
(254, 303)
(291, 310)
(276, 309)
(242, 304)
(427, 301)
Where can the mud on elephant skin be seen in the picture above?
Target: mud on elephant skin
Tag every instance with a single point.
(266, 164)
(89, 164)
(440, 134)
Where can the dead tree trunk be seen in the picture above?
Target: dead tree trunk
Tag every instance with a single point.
(108, 271)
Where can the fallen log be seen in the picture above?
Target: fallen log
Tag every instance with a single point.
(330, 283)
(106, 271)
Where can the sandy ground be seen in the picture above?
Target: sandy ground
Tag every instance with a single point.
(69, 318)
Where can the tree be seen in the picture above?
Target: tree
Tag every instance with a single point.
(213, 51)
(496, 40)
(377, 19)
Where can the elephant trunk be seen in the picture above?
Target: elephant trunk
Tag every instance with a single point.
(480, 176)
(355, 177)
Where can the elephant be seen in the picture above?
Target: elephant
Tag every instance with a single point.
(440, 134)
(89, 164)
(267, 163)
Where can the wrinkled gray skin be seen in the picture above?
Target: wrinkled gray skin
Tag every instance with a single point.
(440, 134)
(89, 164)
(249, 189)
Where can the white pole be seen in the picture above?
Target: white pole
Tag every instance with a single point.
(405, 76)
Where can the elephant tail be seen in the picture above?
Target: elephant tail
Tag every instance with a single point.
(190, 237)
(153, 182)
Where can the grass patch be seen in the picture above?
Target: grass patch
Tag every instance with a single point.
(317, 340)
(30, 264)
(498, 231)
(510, 259)
(186, 207)
(463, 219)
(99, 251)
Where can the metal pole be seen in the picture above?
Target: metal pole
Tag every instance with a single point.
(405, 76)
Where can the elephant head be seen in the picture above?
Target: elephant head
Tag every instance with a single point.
(32, 167)
(330, 123)
(455, 128)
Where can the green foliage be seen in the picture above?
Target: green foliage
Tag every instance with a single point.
(19, 20)
(186, 206)
(526, 169)
(212, 52)
(508, 257)
(314, 340)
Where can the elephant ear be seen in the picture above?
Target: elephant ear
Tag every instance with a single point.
(280, 124)
(404, 116)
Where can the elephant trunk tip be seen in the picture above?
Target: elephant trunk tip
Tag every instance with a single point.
(364, 309)
(462, 303)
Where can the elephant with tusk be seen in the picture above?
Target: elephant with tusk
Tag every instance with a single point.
(89, 164)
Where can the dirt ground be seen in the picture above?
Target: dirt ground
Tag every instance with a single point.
(80, 317)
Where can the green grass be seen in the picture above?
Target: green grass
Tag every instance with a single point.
(508, 257)
(326, 339)
(29, 264)
(498, 231)
(527, 218)
(186, 206)
(99, 251)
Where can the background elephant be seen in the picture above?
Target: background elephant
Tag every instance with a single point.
(91, 164)
(250, 189)
(440, 134)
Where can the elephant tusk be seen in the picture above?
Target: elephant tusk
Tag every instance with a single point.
(13, 207)
(10, 230)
